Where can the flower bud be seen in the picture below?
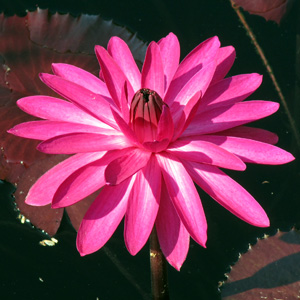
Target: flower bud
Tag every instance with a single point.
(145, 111)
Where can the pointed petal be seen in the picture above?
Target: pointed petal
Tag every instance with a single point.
(103, 217)
(81, 77)
(198, 57)
(204, 53)
(229, 116)
(225, 59)
(54, 109)
(142, 206)
(125, 129)
(43, 130)
(251, 151)
(174, 239)
(170, 55)
(84, 181)
(121, 54)
(156, 146)
(124, 103)
(127, 165)
(207, 153)
(252, 133)
(198, 83)
(180, 188)
(187, 115)
(80, 184)
(83, 142)
(42, 192)
(165, 127)
(230, 90)
(92, 103)
(113, 75)
(228, 193)
(153, 72)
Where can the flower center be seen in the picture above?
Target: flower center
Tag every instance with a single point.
(145, 111)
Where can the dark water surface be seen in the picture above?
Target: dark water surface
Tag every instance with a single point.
(31, 271)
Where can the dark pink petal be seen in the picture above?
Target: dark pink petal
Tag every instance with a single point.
(184, 197)
(113, 75)
(81, 77)
(121, 53)
(198, 57)
(127, 165)
(80, 184)
(42, 192)
(228, 193)
(142, 206)
(204, 53)
(83, 142)
(84, 181)
(225, 59)
(251, 151)
(207, 153)
(156, 146)
(43, 130)
(125, 128)
(153, 71)
(57, 110)
(187, 115)
(198, 83)
(77, 211)
(88, 101)
(103, 217)
(252, 133)
(173, 238)
(165, 127)
(124, 103)
(230, 90)
(229, 116)
(170, 55)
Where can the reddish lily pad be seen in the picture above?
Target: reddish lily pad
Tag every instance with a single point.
(269, 9)
(29, 45)
(269, 270)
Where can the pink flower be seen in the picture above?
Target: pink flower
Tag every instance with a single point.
(144, 137)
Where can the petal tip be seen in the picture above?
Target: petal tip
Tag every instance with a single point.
(177, 267)
(55, 205)
(11, 131)
(20, 103)
(114, 39)
(99, 50)
(55, 66)
(276, 106)
(216, 39)
(40, 147)
(41, 75)
(175, 263)
(132, 250)
(290, 158)
(81, 252)
(260, 220)
(28, 201)
(264, 223)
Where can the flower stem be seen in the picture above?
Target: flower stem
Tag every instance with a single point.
(158, 265)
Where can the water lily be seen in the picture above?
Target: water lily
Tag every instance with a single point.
(145, 137)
